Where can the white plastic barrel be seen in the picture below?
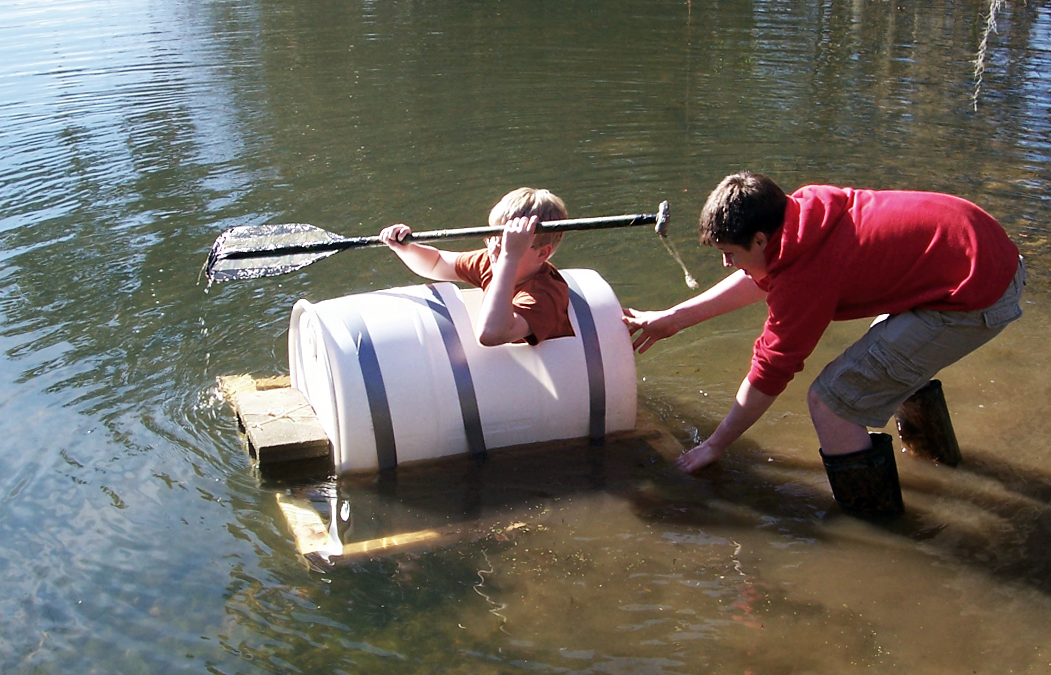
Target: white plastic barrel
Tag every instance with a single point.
(397, 375)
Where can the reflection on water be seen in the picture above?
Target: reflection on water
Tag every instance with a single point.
(138, 538)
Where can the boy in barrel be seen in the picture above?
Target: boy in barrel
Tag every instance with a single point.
(944, 271)
(525, 299)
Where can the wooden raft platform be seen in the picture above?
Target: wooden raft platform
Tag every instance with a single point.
(282, 429)
(278, 421)
(282, 433)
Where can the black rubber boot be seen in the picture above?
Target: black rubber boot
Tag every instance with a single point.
(866, 481)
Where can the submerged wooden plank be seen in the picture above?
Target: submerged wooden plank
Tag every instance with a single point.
(438, 503)
(312, 536)
(321, 547)
(395, 542)
(309, 531)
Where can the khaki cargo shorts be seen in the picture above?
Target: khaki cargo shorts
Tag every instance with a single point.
(901, 353)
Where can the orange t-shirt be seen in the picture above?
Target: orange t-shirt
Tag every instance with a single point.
(542, 300)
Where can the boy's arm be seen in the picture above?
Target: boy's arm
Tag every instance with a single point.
(425, 261)
(749, 405)
(498, 323)
(734, 292)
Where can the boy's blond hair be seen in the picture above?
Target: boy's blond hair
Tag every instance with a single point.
(526, 201)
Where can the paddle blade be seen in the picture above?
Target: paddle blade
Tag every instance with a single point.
(256, 251)
(261, 265)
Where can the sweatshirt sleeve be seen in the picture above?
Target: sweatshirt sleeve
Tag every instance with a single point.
(799, 309)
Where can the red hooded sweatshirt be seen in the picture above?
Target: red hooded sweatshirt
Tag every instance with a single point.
(846, 254)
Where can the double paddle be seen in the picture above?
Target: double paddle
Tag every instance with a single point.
(256, 251)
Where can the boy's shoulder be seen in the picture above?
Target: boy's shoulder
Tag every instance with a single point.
(474, 267)
(550, 273)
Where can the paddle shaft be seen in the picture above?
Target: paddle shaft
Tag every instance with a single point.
(344, 243)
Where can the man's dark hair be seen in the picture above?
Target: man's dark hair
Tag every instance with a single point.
(740, 206)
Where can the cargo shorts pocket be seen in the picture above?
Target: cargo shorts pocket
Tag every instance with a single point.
(998, 317)
(1008, 308)
(878, 376)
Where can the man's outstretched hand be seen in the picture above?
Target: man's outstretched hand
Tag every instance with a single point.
(650, 326)
(698, 458)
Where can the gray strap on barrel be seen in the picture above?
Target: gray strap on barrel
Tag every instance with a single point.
(592, 360)
(375, 393)
(472, 420)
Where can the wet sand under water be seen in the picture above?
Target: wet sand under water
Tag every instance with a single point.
(607, 559)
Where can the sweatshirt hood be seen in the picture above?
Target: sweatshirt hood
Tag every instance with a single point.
(810, 216)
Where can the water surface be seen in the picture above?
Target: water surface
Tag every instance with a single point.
(136, 535)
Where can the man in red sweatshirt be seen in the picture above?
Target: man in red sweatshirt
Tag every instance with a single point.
(944, 271)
